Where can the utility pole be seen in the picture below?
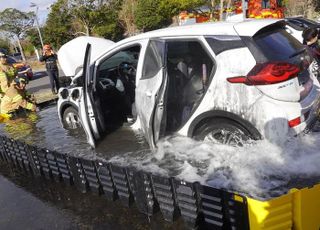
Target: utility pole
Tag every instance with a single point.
(37, 22)
(244, 9)
(20, 47)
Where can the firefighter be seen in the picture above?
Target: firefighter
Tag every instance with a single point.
(7, 74)
(51, 58)
(15, 97)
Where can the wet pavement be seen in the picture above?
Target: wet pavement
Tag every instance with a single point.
(28, 202)
(44, 130)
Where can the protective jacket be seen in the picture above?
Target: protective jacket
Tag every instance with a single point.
(7, 74)
(13, 99)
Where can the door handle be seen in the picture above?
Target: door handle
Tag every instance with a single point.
(149, 93)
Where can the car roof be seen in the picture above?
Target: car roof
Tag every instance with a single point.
(247, 27)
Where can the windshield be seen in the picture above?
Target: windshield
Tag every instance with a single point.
(116, 59)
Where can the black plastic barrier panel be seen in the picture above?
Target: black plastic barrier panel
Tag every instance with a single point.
(108, 188)
(200, 206)
(166, 197)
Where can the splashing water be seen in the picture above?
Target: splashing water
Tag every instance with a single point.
(261, 170)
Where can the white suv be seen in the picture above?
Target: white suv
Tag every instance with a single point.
(225, 82)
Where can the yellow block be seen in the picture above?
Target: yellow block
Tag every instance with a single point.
(307, 208)
(297, 210)
(272, 214)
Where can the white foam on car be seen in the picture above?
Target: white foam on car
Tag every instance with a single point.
(261, 170)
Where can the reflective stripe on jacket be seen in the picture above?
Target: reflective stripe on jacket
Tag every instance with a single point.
(7, 74)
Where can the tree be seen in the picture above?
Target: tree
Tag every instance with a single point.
(154, 14)
(127, 17)
(82, 12)
(33, 36)
(97, 17)
(16, 23)
(106, 21)
(58, 29)
(310, 8)
(317, 5)
(148, 17)
(4, 44)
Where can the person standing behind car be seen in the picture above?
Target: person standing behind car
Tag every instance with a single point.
(310, 38)
(50, 58)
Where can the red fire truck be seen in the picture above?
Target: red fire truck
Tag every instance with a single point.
(254, 9)
(263, 8)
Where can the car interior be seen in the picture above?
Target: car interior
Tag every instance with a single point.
(189, 68)
(115, 87)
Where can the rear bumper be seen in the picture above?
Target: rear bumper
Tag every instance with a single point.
(310, 121)
(309, 115)
(313, 117)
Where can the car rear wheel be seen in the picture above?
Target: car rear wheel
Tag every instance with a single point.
(71, 119)
(222, 131)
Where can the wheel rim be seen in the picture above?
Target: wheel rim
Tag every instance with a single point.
(73, 121)
(227, 137)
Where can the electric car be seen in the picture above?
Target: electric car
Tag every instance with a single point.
(225, 82)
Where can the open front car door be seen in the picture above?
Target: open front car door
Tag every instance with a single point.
(87, 110)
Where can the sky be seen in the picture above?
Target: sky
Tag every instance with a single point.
(24, 5)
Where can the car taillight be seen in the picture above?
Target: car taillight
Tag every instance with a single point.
(294, 122)
(268, 73)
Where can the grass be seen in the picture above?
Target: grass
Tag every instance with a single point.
(36, 65)
(44, 95)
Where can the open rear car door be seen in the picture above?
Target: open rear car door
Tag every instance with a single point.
(150, 91)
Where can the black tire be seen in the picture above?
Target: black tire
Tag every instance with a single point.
(222, 131)
(71, 119)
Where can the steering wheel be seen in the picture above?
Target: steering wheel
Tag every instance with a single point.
(106, 83)
(126, 69)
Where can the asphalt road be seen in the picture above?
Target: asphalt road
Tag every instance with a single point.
(40, 81)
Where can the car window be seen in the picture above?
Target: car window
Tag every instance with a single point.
(278, 45)
(115, 60)
(153, 59)
(111, 67)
